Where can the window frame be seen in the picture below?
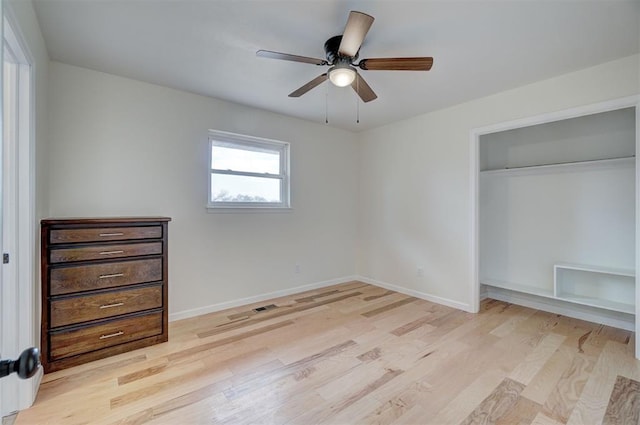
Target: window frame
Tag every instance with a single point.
(241, 141)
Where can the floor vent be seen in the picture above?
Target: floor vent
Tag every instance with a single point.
(264, 308)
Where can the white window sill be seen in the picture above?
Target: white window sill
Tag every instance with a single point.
(236, 210)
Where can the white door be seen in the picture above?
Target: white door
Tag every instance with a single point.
(2, 352)
(17, 219)
(8, 329)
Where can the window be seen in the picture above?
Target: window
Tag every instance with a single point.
(247, 172)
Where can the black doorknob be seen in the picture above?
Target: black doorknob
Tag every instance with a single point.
(25, 365)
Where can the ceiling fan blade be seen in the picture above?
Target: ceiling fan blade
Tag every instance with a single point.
(287, 57)
(311, 84)
(355, 31)
(396, 64)
(362, 88)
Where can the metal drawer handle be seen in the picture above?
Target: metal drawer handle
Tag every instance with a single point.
(111, 234)
(111, 335)
(106, 276)
(111, 252)
(111, 305)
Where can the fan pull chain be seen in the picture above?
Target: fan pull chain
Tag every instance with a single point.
(326, 105)
(357, 99)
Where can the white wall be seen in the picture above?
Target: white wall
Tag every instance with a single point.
(531, 220)
(415, 183)
(121, 147)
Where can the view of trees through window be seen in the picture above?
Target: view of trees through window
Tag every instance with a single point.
(233, 188)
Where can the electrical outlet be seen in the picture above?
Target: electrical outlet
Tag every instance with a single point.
(420, 272)
(297, 268)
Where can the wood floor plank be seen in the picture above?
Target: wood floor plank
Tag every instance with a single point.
(314, 297)
(56, 385)
(377, 296)
(396, 407)
(281, 397)
(370, 355)
(258, 382)
(594, 399)
(463, 406)
(497, 404)
(416, 415)
(264, 411)
(535, 361)
(388, 307)
(394, 318)
(355, 353)
(458, 372)
(413, 325)
(349, 308)
(400, 391)
(523, 412)
(356, 393)
(224, 341)
(167, 384)
(540, 387)
(367, 389)
(142, 373)
(568, 389)
(340, 387)
(624, 403)
(278, 312)
(194, 395)
(191, 414)
(542, 419)
(302, 344)
(512, 323)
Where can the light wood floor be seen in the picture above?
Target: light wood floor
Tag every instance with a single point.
(355, 353)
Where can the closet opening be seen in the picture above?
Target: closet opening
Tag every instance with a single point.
(555, 216)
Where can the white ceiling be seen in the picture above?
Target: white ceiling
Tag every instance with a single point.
(208, 47)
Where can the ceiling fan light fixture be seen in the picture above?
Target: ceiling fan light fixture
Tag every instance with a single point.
(342, 75)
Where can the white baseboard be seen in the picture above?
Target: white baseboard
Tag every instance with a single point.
(484, 294)
(417, 294)
(257, 298)
(617, 320)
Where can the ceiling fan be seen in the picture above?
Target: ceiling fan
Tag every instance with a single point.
(342, 54)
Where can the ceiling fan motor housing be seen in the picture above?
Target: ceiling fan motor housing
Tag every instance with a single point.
(331, 47)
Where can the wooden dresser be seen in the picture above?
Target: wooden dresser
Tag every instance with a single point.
(104, 287)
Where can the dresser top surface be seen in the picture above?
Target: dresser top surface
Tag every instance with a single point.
(103, 220)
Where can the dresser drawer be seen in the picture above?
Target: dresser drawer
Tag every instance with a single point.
(97, 234)
(67, 280)
(69, 311)
(83, 340)
(63, 255)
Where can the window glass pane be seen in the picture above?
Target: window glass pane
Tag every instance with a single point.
(255, 161)
(229, 188)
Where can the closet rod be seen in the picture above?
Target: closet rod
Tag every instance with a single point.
(570, 162)
(558, 164)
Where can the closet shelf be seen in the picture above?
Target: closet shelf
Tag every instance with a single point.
(595, 269)
(627, 161)
(531, 290)
(598, 303)
(566, 297)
